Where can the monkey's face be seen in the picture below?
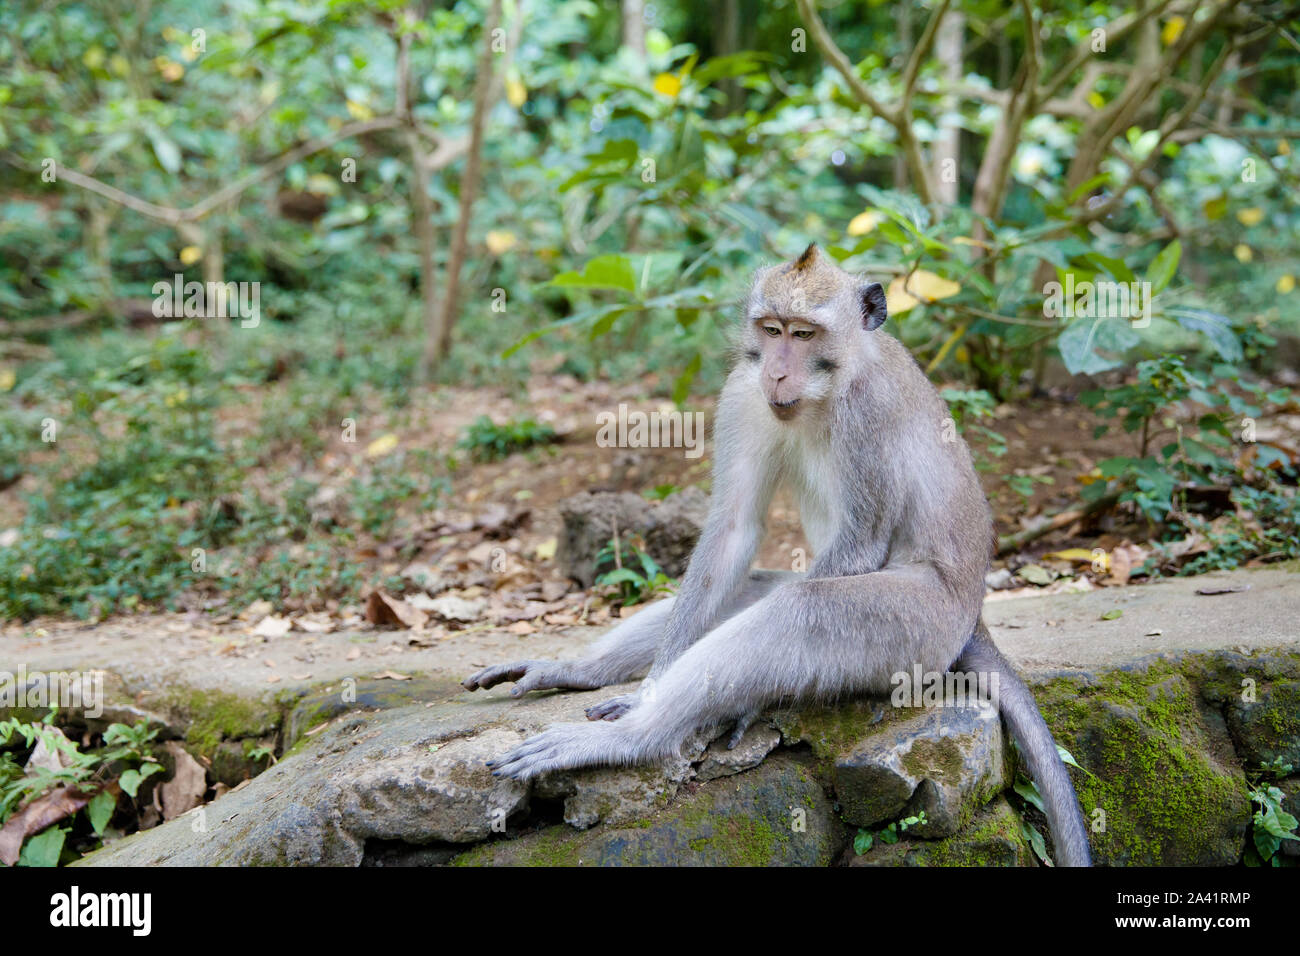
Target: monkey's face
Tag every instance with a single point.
(793, 369)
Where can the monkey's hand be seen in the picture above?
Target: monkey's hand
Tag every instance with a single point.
(529, 675)
(563, 747)
(612, 709)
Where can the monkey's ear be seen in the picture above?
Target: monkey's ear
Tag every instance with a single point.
(872, 299)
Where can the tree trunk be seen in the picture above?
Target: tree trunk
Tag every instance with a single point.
(947, 147)
(439, 332)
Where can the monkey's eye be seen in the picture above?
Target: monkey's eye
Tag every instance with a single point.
(772, 329)
(803, 334)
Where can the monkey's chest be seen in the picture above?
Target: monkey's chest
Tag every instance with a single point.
(816, 488)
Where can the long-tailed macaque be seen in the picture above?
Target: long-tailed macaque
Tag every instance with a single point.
(822, 399)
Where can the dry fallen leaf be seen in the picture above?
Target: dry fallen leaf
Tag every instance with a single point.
(384, 610)
(272, 626)
(353, 654)
(392, 675)
(42, 812)
(189, 782)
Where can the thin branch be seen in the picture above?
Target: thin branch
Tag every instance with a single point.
(174, 217)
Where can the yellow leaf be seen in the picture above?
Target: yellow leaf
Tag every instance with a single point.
(170, 70)
(1215, 208)
(970, 241)
(897, 299)
(928, 287)
(1243, 252)
(1096, 100)
(322, 185)
(1285, 284)
(516, 93)
(546, 550)
(359, 111)
(667, 85)
(381, 445)
(1283, 148)
(189, 54)
(7, 379)
(864, 222)
(93, 58)
(499, 241)
(1172, 30)
(119, 64)
(1250, 217)
(1090, 477)
(191, 255)
(1071, 554)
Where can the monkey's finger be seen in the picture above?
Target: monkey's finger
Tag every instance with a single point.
(537, 678)
(491, 676)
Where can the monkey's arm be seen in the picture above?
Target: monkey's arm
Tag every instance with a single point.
(742, 493)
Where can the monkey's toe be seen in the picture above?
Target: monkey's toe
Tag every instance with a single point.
(611, 709)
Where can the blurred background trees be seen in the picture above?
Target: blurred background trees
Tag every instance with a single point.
(471, 191)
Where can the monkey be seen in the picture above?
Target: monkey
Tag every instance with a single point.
(822, 400)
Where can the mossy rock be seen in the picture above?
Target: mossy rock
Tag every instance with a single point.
(776, 815)
(340, 697)
(1163, 786)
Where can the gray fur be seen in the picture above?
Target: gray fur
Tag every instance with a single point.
(900, 530)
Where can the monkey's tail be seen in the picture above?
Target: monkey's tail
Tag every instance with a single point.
(1060, 802)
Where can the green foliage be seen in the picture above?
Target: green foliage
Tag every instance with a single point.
(865, 839)
(1186, 425)
(488, 441)
(1271, 824)
(633, 586)
(126, 753)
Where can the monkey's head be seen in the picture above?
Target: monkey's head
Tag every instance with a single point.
(803, 321)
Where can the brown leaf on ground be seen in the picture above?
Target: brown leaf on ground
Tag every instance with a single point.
(189, 782)
(392, 675)
(384, 610)
(44, 811)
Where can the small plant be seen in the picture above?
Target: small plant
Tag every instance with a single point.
(1178, 450)
(126, 753)
(866, 839)
(487, 441)
(968, 407)
(660, 492)
(633, 586)
(1271, 824)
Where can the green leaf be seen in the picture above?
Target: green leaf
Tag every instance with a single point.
(863, 842)
(603, 272)
(44, 848)
(100, 809)
(1163, 267)
(1215, 327)
(130, 781)
(1029, 792)
(168, 153)
(682, 386)
(1112, 614)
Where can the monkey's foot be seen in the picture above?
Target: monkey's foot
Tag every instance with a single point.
(562, 747)
(613, 708)
(742, 725)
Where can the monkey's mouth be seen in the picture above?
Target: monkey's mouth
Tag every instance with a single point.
(785, 410)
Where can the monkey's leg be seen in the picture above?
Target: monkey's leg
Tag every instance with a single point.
(758, 585)
(814, 639)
